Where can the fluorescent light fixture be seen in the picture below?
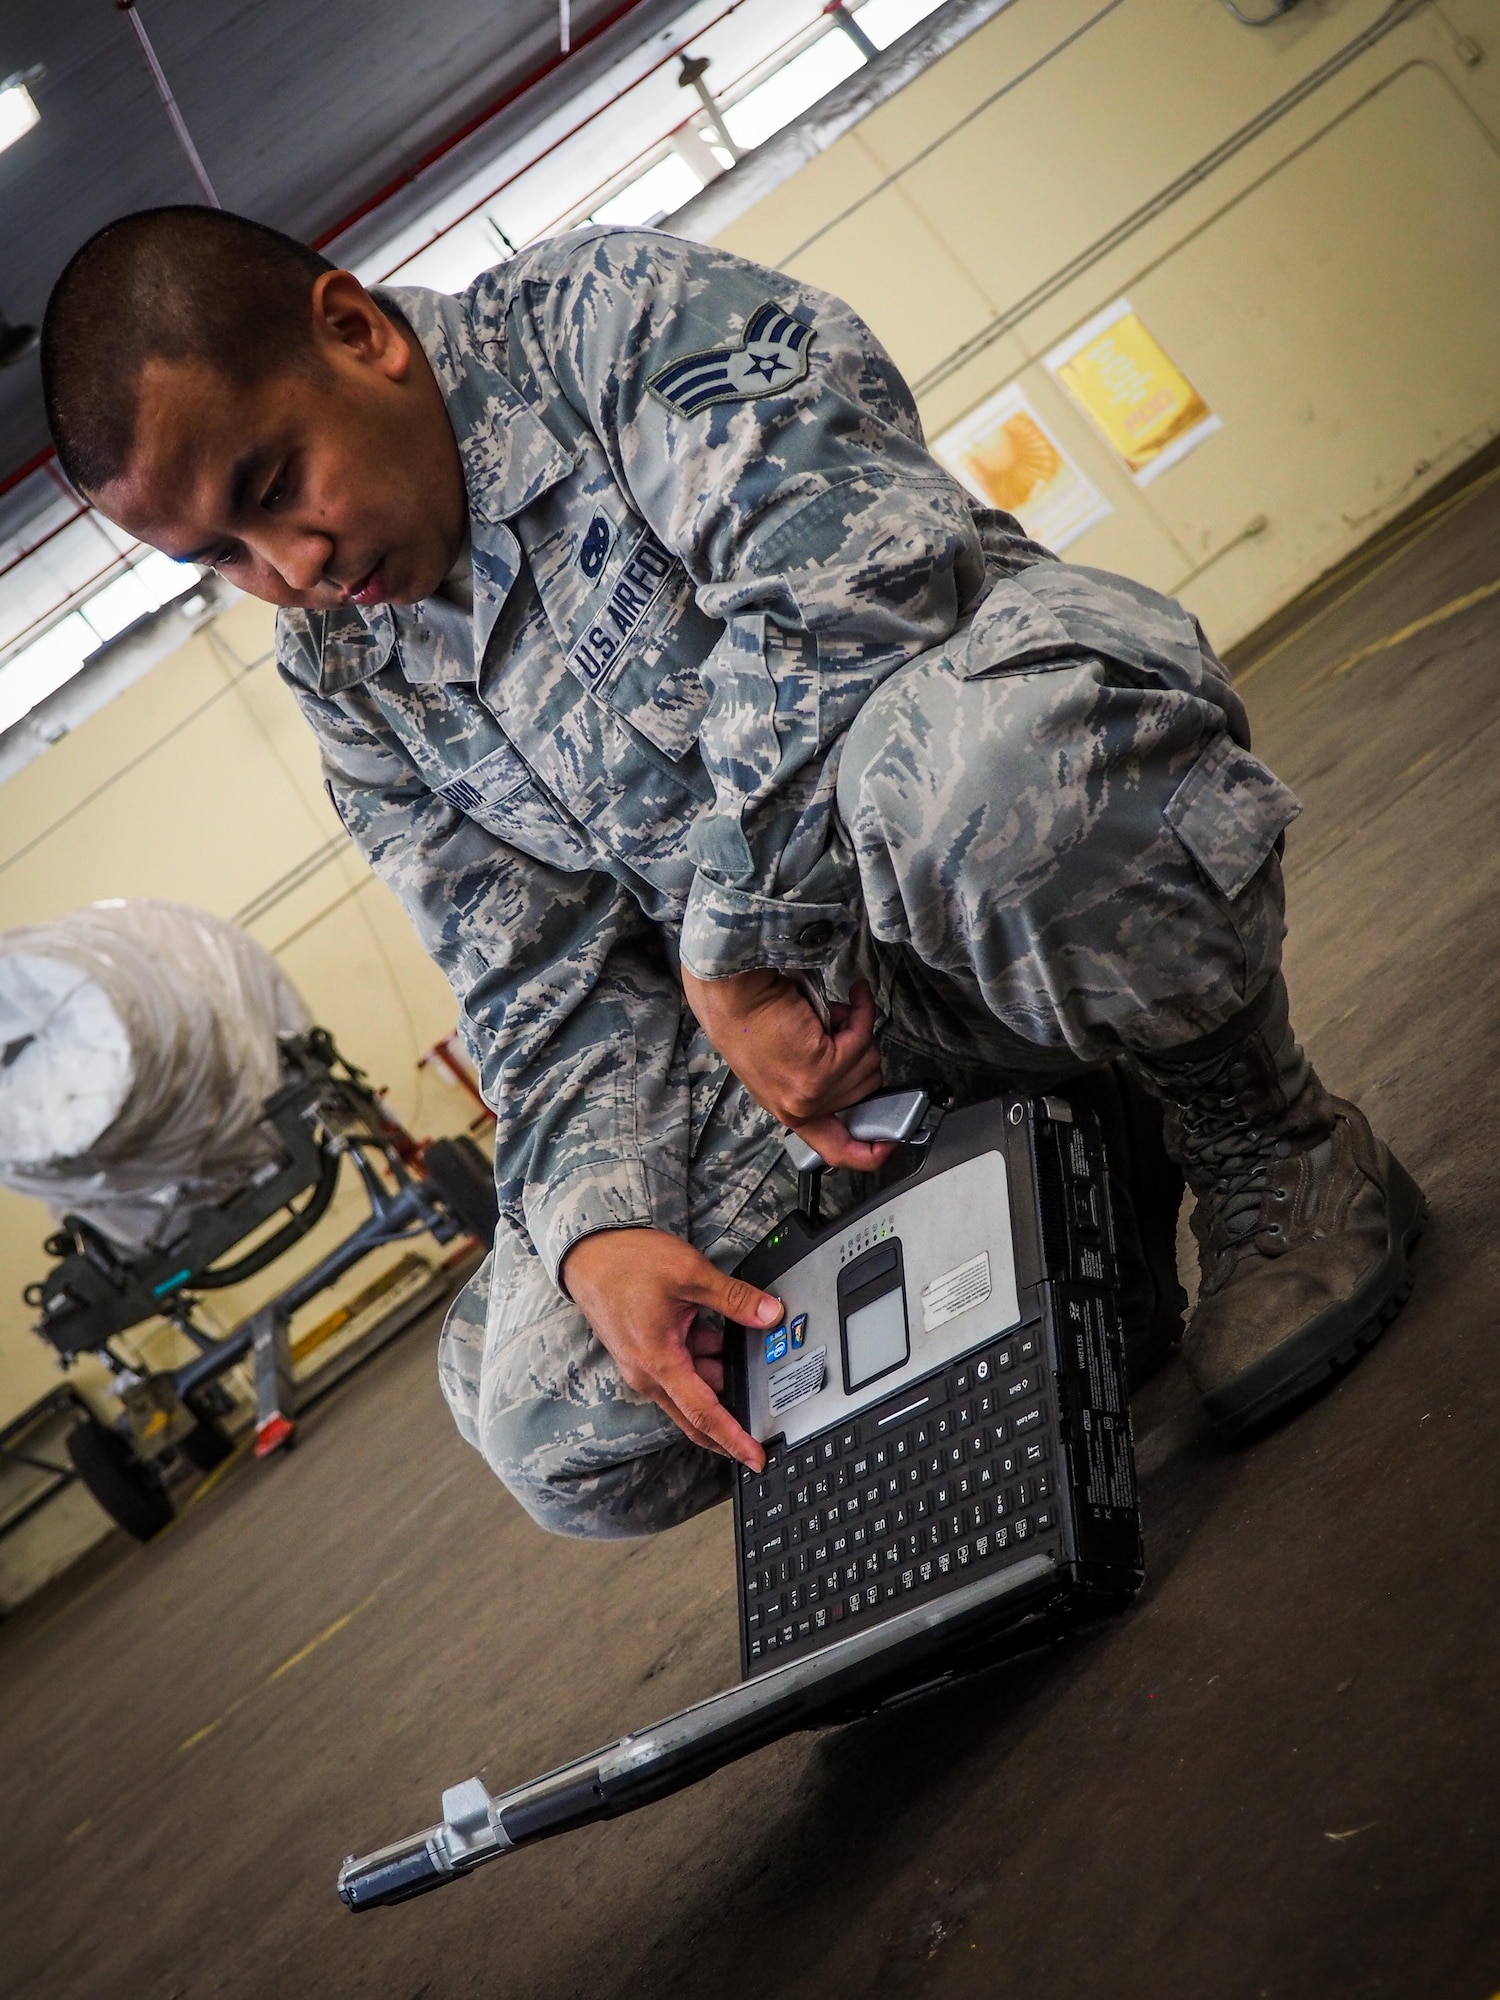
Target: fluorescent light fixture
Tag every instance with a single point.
(18, 112)
(162, 579)
(151, 583)
(119, 604)
(788, 91)
(886, 21)
(41, 668)
(652, 195)
(44, 666)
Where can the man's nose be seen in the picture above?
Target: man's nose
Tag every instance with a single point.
(299, 558)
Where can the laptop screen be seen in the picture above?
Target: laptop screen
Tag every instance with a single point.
(875, 1338)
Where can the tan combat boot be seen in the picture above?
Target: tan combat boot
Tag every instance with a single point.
(1305, 1220)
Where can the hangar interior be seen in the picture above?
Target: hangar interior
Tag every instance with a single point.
(1276, 1775)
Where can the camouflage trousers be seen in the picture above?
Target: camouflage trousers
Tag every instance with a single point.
(1066, 853)
(536, 1393)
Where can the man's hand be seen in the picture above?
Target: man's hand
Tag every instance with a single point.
(641, 1291)
(769, 1033)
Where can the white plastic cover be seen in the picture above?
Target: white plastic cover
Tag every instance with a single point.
(138, 1044)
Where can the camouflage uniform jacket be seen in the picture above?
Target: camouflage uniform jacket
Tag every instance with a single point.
(704, 530)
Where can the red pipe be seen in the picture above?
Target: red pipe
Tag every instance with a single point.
(440, 151)
(23, 555)
(472, 125)
(463, 1076)
(25, 471)
(393, 187)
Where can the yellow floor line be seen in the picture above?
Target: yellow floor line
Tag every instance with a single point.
(329, 1632)
(211, 1479)
(303, 1652)
(1418, 531)
(1444, 612)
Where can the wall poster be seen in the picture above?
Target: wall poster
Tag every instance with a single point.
(1006, 457)
(1143, 403)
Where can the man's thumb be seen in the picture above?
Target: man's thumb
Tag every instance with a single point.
(745, 1304)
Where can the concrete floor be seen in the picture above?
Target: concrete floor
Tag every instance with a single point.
(1278, 1776)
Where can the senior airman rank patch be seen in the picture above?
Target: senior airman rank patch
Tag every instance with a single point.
(771, 355)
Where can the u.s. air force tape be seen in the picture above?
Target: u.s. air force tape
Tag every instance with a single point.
(636, 586)
(771, 355)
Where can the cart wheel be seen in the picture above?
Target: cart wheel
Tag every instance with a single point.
(126, 1488)
(466, 1181)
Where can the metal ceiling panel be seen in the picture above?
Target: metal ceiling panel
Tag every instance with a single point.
(301, 112)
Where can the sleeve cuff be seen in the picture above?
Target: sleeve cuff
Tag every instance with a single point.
(613, 1194)
(729, 930)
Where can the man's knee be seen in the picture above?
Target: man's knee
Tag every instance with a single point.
(601, 1471)
(534, 1392)
(1095, 853)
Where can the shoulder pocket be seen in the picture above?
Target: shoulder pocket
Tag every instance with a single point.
(1013, 632)
(1228, 812)
(1054, 614)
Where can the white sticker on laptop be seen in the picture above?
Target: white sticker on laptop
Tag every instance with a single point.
(804, 1378)
(956, 1291)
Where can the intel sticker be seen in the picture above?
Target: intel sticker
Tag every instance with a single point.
(776, 1346)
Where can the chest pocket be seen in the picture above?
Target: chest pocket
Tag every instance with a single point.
(500, 794)
(657, 687)
(623, 611)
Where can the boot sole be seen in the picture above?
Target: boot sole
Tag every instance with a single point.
(1338, 1336)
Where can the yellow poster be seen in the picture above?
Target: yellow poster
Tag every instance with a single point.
(1144, 404)
(1006, 457)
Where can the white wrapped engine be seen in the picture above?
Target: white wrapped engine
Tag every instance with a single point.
(138, 1044)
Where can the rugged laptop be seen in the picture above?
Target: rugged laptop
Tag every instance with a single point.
(949, 1474)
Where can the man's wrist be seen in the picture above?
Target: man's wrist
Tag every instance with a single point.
(597, 1238)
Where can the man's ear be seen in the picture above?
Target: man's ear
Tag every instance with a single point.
(348, 325)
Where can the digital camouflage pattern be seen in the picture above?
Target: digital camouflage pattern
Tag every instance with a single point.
(749, 681)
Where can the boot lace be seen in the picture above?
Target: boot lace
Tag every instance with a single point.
(1226, 1155)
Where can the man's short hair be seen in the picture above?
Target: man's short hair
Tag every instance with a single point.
(176, 284)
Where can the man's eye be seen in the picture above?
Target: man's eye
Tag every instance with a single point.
(276, 492)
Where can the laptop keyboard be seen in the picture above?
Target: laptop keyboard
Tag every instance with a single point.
(953, 1476)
